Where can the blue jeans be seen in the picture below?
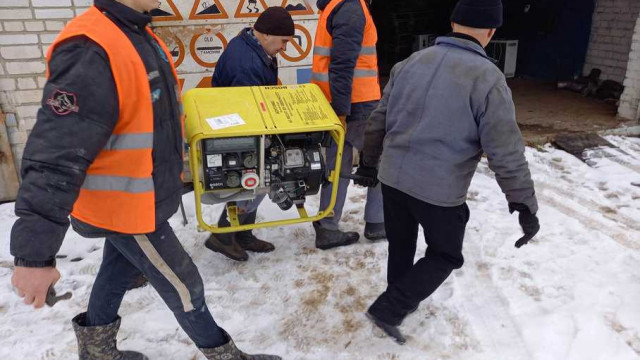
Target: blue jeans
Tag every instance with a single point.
(373, 211)
(169, 269)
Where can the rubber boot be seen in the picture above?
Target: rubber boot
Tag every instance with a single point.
(99, 342)
(328, 239)
(247, 240)
(226, 243)
(229, 351)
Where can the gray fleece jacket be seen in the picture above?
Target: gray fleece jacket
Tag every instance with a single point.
(442, 108)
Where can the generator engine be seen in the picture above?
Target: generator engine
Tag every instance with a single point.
(287, 167)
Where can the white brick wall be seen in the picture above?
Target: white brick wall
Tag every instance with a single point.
(21, 52)
(54, 13)
(27, 29)
(611, 33)
(27, 83)
(15, 14)
(13, 26)
(14, 3)
(51, 3)
(630, 100)
(34, 25)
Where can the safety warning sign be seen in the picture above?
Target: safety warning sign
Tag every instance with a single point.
(207, 48)
(300, 46)
(167, 11)
(208, 9)
(250, 8)
(205, 82)
(297, 7)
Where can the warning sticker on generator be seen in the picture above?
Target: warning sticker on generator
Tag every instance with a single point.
(296, 105)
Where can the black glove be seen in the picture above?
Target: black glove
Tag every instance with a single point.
(528, 221)
(366, 175)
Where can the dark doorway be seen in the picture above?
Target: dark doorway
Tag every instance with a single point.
(552, 35)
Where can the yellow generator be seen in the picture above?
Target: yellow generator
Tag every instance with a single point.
(250, 141)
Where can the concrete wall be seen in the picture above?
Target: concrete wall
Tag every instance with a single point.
(28, 27)
(611, 34)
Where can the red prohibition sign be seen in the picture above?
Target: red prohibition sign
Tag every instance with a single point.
(179, 47)
(194, 53)
(303, 53)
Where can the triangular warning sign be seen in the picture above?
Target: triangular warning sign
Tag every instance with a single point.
(297, 7)
(250, 8)
(208, 9)
(167, 11)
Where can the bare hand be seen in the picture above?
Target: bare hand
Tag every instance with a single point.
(343, 120)
(32, 284)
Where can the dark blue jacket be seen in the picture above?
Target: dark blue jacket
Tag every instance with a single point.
(245, 63)
(346, 25)
(61, 148)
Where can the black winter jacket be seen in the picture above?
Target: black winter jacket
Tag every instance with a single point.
(63, 144)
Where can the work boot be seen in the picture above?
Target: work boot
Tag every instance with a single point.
(388, 316)
(229, 351)
(328, 239)
(99, 342)
(226, 243)
(247, 240)
(374, 231)
(389, 329)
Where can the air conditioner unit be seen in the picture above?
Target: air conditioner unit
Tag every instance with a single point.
(506, 53)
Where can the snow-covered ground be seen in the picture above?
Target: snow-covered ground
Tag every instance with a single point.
(571, 294)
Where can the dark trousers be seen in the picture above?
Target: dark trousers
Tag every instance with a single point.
(408, 283)
(169, 269)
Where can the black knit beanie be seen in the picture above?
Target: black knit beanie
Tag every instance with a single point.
(275, 21)
(479, 14)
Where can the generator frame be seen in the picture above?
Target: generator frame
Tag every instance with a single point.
(265, 111)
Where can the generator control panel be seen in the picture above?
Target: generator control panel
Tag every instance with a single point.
(231, 163)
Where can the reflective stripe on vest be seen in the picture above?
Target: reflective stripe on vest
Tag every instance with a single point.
(365, 86)
(326, 51)
(130, 141)
(118, 183)
(118, 191)
(357, 73)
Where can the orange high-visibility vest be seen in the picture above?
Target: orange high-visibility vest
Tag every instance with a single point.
(118, 192)
(366, 85)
